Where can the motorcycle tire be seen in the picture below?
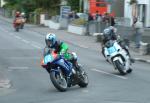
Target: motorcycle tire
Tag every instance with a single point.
(120, 67)
(57, 83)
(83, 78)
(22, 26)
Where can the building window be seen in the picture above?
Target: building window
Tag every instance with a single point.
(100, 5)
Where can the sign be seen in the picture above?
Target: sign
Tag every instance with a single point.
(64, 11)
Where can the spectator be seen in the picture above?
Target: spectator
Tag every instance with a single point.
(90, 17)
(138, 28)
(106, 18)
(112, 21)
(70, 15)
(98, 17)
(75, 16)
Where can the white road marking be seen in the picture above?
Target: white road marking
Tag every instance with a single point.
(24, 58)
(5, 91)
(36, 46)
(148, 61)
(17, 37)
(11, 34)
(85, 91)
(100, 71)
(18, 68)
(35, 43)
(25, 41)
(5, 83)
(83, 46)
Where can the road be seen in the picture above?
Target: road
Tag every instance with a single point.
(20, 54)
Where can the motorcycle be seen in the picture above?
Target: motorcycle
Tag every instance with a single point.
(17, 24)
(117, 56)
(62, 73)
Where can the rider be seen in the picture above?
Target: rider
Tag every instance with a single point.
(110, 34)
(17, 16)
(60, 48)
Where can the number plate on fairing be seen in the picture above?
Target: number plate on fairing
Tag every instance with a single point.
(111, 50)
(48, 58)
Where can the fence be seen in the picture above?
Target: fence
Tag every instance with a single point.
(123, 21)
(7, 12)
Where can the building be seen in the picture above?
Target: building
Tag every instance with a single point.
(116, 6)
(143, 11)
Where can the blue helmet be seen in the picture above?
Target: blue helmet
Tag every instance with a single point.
(50, 39)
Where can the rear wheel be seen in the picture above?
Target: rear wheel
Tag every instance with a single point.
(21, 26)
(83, 82)
(120, 67)
(58, 80)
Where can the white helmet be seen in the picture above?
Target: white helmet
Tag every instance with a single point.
(50, 39)
(22, 14)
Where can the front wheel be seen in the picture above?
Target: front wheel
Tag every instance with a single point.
(120, 67)
(83, 78)
(17, 29)
(58, 80)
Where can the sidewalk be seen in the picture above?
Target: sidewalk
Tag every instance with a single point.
(87, 42)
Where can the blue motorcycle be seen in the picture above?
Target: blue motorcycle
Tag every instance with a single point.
(62, 73)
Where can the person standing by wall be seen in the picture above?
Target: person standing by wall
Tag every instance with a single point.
(112, 20)
(106, 19)
(98, 16)
(138, 30)
(90, 17)
(98, 19)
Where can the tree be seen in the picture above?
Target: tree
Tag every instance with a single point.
(31, 5)
(74, 4)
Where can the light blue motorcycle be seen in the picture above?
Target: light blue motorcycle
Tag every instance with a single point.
(117, 56)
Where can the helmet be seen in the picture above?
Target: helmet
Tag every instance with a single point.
(50, 39)
(22, 14)
(108, 32)
(17, 14)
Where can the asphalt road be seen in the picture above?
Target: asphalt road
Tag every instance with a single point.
(20, 54)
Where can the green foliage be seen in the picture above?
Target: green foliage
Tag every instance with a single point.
(33, 5)
(74, 5)
(133, 1)
(40, 10)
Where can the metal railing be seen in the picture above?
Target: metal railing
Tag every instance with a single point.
(122, 21)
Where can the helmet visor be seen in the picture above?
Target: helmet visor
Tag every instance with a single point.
(49, 43)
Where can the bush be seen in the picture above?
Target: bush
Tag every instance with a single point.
(79, 21)
(39, 10)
